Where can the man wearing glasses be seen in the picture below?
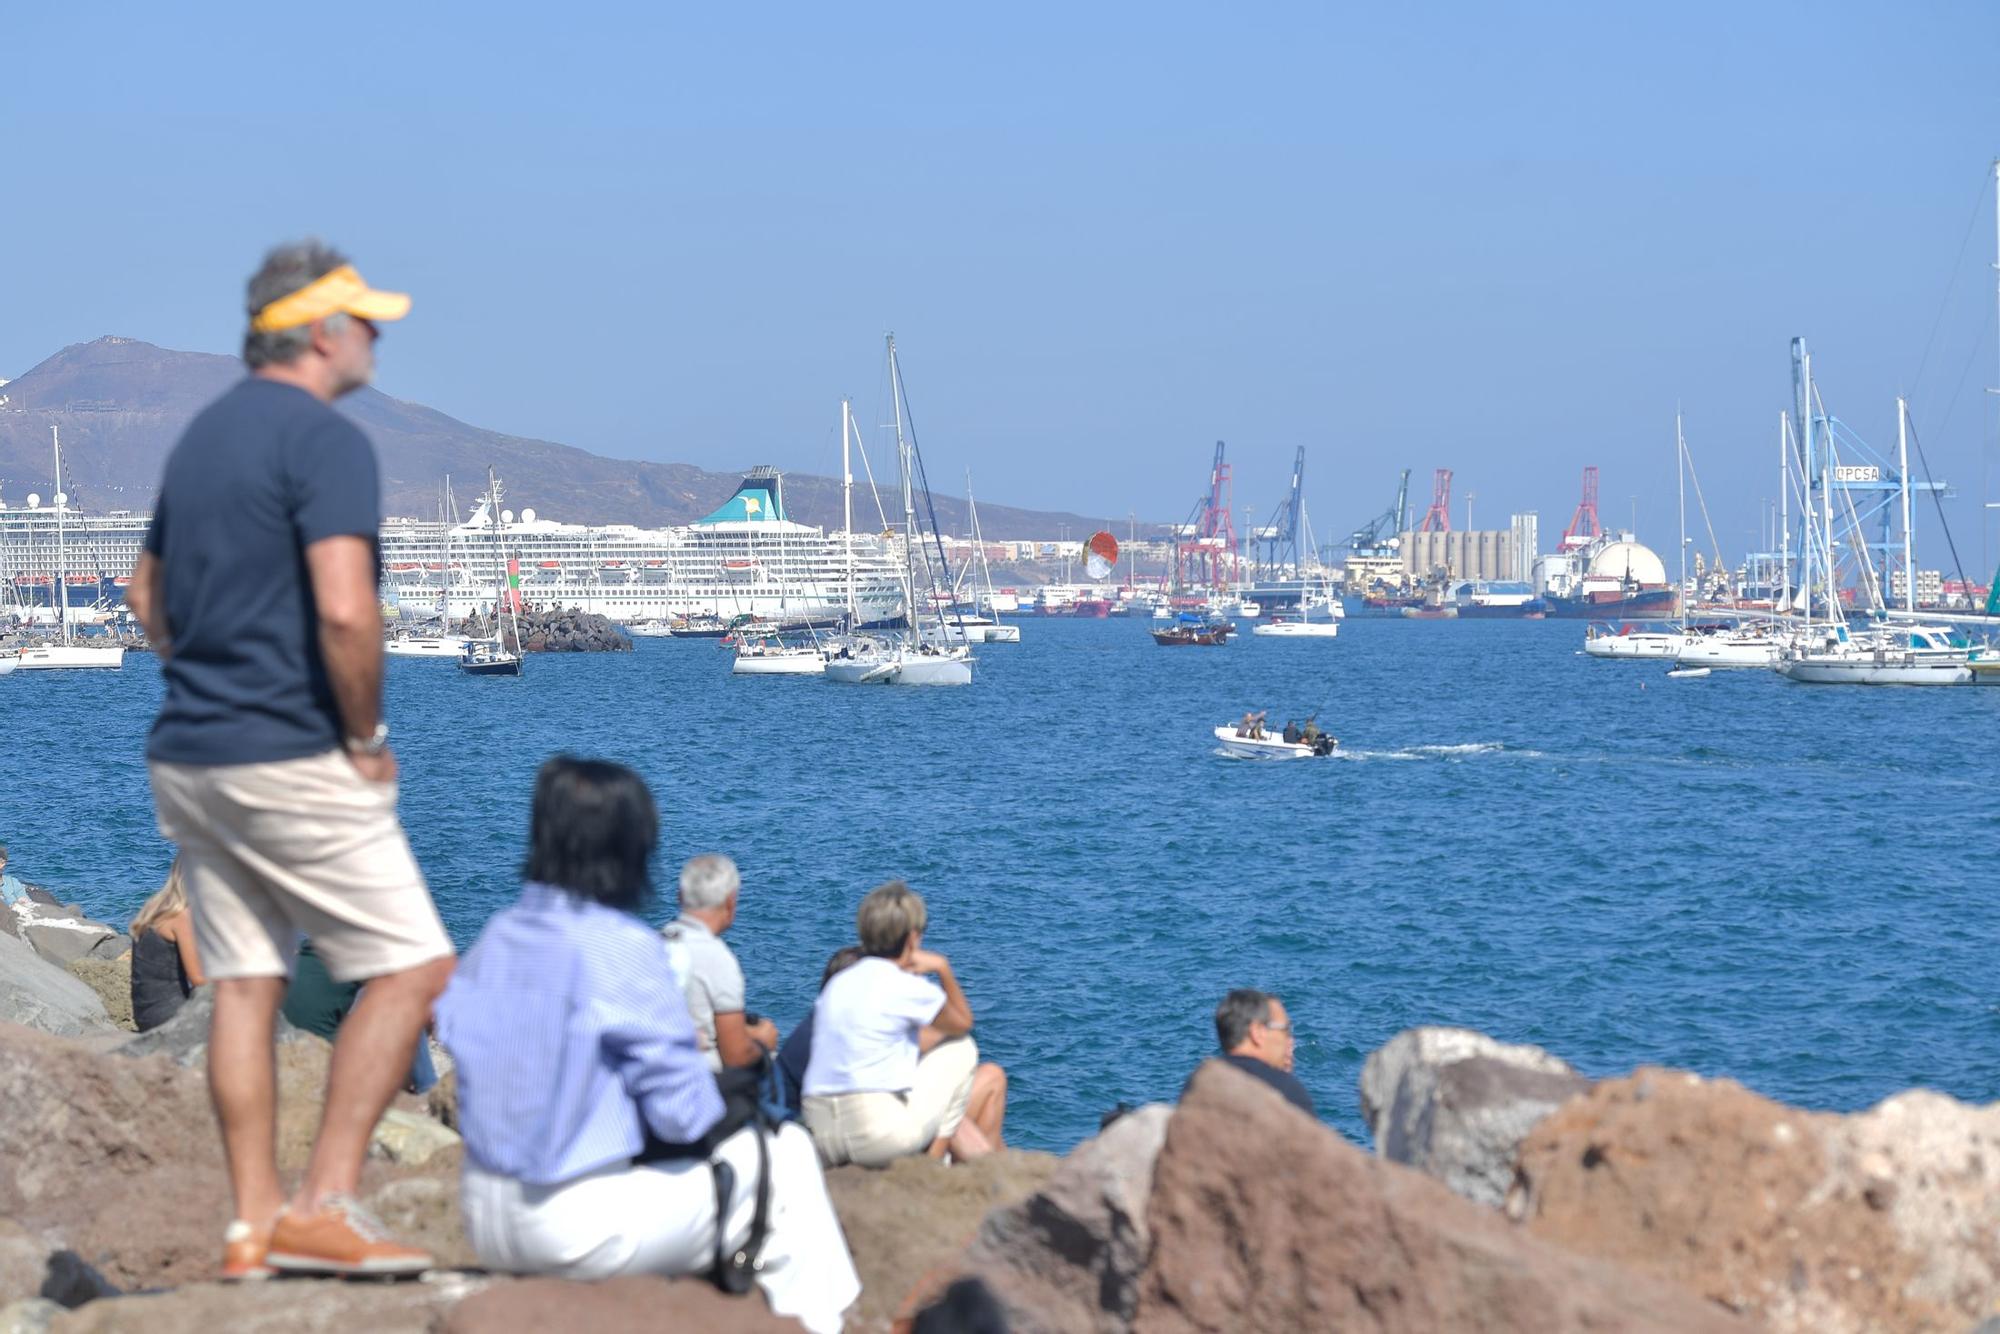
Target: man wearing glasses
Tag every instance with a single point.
(1256, 1038)
(270, 758)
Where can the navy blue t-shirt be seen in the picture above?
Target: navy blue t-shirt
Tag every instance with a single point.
(261, 474)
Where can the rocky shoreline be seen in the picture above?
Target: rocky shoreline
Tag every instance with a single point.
(1507, 1193)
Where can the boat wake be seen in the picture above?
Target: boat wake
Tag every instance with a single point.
(1465, 751)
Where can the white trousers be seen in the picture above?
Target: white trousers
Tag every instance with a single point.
(659, 1218)
(875, 1129)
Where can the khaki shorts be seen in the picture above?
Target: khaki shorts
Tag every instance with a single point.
(307, 847)
(875, 1129)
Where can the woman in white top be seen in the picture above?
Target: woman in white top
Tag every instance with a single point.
(893, 1071)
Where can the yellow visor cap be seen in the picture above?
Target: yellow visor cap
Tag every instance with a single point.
(341, 291)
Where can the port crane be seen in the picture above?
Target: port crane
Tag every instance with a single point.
(1205, 546)
(1377, 532)
(1584, 527)
(1280, 533)
(1437, 519)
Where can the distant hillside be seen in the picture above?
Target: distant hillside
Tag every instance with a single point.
(122, 403)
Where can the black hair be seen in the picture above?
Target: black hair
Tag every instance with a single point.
(593, 832)
(843, 959)
(1240, 1009)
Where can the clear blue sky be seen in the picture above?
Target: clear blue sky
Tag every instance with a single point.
(1105, 236)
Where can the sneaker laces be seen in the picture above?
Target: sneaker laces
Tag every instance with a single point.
(364, 1224)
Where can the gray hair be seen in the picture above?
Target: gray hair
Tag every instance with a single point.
(707, 881)
(285, 270)
(1240, 1009)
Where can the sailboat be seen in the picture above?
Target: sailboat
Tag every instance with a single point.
(982, 627)
(919, 655)
(1305, 627)
(65, 653)
(492, 657)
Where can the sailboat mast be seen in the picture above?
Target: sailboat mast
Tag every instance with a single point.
(1680, 485)
(909, 497)
(1903, 466)
(1784, 510)
(62, 536)
(847, 502)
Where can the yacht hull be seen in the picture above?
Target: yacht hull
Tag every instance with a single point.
(902, 669)
(1866, 672)
(780, 664)
(67, 657)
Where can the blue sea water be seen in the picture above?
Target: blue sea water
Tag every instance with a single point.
(1786, 884)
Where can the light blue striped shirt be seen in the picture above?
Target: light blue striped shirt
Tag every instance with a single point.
(571, 1039)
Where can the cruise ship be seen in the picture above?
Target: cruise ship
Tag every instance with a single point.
(746, 558)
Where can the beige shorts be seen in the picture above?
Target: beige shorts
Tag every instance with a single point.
(271, 852)
(875, 1129)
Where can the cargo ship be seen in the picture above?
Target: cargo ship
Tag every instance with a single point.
(1498, 601)
(1610, 578)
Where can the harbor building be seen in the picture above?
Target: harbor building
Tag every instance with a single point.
(1477, 554)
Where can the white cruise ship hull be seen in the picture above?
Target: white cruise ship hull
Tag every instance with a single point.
(68, 657)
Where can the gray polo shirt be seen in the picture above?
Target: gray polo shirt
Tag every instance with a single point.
(710, 978)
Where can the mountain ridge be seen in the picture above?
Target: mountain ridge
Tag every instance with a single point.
(122, 402)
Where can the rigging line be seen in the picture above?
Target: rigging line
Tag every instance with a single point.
(1978, 345)
(1714, 545)
(1938, 501)
(930, 506)
(1978, 205)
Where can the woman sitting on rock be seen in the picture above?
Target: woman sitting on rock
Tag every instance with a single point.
(165, 967)
(595, 1135)
(893, 1072)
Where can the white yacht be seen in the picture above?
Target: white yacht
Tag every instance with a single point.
(1731, 646)
(444, 648)
(1622, 641)
(1892, 656)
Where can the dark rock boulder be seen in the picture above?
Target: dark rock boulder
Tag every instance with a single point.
(1457, 1104)
(1070, 1256)
(1264, 1219)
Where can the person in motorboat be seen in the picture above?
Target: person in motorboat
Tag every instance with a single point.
(1292, 733)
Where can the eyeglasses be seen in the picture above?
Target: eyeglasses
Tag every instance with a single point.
(374, 330)
(1285, 1027)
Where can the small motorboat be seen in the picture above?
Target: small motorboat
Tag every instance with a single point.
(1688, 673)
(1271, 746)
(1189, 629)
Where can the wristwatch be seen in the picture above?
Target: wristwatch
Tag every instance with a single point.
(373, 745)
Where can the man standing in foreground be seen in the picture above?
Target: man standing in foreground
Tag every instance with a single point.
(1256, 1037)
(270, 760)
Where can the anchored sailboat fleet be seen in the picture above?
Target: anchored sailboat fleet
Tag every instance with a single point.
(923, 653)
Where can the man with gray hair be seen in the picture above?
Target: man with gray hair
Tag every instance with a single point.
(709, 976)
(1255, 1035)
(270, 760)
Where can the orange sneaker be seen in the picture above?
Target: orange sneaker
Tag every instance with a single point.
(243, 1252)
(341, 1238)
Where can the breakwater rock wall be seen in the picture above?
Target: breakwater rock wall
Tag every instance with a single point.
(1656, 1201)
(553, 630)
